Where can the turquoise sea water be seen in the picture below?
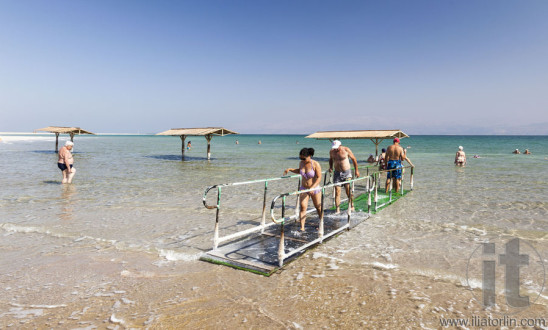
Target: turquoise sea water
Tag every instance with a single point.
(133, 194)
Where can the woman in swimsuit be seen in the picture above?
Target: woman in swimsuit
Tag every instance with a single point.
(382, 160)
(311, 172)
(460, 157)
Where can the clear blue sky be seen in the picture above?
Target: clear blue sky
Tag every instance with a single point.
(426, 67)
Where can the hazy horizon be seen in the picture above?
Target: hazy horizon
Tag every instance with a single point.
(239, 133)
(426, 67)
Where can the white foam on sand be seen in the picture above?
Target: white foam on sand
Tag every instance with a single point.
(168, 255)
(171, 255)
(382, 266)
(39, 306)
(20, 313)
(459, 280)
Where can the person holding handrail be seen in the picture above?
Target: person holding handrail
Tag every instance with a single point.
(394, 156)
(338, 158)
(311, 172)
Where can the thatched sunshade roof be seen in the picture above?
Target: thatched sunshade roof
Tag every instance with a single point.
(374, 135)
(63, 130)
(207, 132)
(198, 131)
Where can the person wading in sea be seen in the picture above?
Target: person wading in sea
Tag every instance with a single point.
(394, 156)
(65, 162)
(338, 158)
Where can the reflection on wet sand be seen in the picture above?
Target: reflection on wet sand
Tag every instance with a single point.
(67, 195)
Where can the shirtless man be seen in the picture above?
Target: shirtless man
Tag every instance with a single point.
(338, 157)
(65, 162)
(394, 156)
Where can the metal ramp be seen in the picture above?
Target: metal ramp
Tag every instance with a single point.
(259, 253)
(266, 247)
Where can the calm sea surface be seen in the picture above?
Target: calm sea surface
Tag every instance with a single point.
(132, 195)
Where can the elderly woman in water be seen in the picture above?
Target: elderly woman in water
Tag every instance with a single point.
(311, 173)
(460, 157)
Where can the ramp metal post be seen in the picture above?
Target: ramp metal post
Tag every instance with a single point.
(216, 234)
(350, 202)
(368, 196)
(298, 204)
(390, 187)
(401, 184)
(281, 247)
(263, 218)
(376, 192)
(320, 229)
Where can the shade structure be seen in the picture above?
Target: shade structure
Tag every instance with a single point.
(207, 132)
(63, 130)
(376, 136)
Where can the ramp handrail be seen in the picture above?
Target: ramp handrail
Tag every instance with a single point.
(262, 226)
(217, 239)
(371, 184)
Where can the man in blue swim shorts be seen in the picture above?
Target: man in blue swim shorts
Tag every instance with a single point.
(394, 156)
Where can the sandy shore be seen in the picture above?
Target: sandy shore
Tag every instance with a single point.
(319, 290)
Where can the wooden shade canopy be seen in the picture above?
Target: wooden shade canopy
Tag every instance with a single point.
(63, 130)
(376, 136)
(207, 132)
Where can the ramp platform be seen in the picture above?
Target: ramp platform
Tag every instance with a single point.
(265, 248)
(259, 253)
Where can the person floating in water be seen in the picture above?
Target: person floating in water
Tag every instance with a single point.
(311, 172)
(516, 152)
(237, 142)
(188, 145)
(65, 162)
(527, 152)
(371, 159)
(460, 157)
(259, 142)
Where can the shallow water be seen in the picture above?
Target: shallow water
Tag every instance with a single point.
(134, 211)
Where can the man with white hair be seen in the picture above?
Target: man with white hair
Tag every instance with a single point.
(65, 162)
(338, 157)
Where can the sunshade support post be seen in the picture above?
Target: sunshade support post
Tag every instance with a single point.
(183, 137)
(208, 139)
(56, 142)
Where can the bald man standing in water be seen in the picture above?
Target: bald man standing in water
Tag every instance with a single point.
(394, 156)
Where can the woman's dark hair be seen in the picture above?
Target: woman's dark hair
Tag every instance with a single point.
(305, 152)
